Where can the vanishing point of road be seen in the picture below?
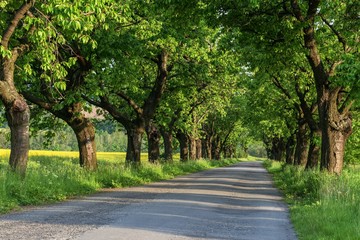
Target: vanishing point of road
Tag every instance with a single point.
(235, 202)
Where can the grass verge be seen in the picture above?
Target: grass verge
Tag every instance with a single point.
(50, 178)
(322, 206)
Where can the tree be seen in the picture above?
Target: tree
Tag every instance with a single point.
(323, 33)
(61, 46)
(41, 32)
(17, 110)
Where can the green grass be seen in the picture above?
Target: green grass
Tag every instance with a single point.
(322, 206)
(55, 178)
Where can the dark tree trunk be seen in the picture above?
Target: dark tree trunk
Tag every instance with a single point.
(216, 148)
(184, 145)
(18, 117)
(314, 151)
(207, 148)
(198, 149)
(133, 153)
(168, 146)
(302, 144)
(85, 134)
(290, 151)
(229, 151)
(278, 148)
(192, 148)
(153, 137)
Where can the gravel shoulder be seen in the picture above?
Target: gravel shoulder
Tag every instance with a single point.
(235, 202)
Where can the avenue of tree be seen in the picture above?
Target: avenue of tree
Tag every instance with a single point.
(205, 77)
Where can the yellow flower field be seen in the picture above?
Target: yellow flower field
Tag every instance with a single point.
(106, 156)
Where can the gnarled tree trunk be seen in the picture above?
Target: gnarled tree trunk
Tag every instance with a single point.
(198, 149)
(207, 147)
(314, 151)
(133, 153)
(302, 144)
(85, 134)
(336, 129)
(192, 141)
(18, 117)
(216, 148)
(17, 110)
(184, 145)
(153, 136)
(290, 150)
(168, 146)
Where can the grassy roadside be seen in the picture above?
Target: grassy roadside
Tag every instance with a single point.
(322, 206)
(56, 178)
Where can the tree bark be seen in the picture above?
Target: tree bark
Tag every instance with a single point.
(198, 149)
(216, 148)
(278, 148)
(207, 147)
(153, 137)
(18, 117)
(290, 151)
(17, 110)
(314, 155)
(192, 141)
(184, 145)
(133, 153)
(302, 144)
(168, 146)
(85, 134)
(335, 123)
(336, 129)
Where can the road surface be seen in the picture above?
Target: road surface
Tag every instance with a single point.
(236, 202)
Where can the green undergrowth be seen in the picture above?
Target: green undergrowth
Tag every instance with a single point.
(322, 206)
(51, 179)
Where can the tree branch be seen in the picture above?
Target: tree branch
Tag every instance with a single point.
(341, 39)
(277, 83)
(20, 14)
(331, 71)
(35, 100)
(138, 110)
(296, 10)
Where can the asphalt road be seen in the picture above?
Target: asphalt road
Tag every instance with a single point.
(237, 202)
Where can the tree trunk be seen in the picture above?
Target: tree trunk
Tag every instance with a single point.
(229, 151)
(17, 110)
(314, 150)
(336, 129)
(207, 148)
(168, 146)
(184, 145)
(85, 134)
(133, 153)
(278, 148)
(290, 151)
(18, 117)
(216, 148)
(335, 122)
(192, 148)
(198, 149)
(302, 145)
(153, 137)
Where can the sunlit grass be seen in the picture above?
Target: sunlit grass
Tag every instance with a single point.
(55, 176)
(323, 206)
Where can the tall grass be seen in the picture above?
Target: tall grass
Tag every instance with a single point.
(323, 206)
(55, 176)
